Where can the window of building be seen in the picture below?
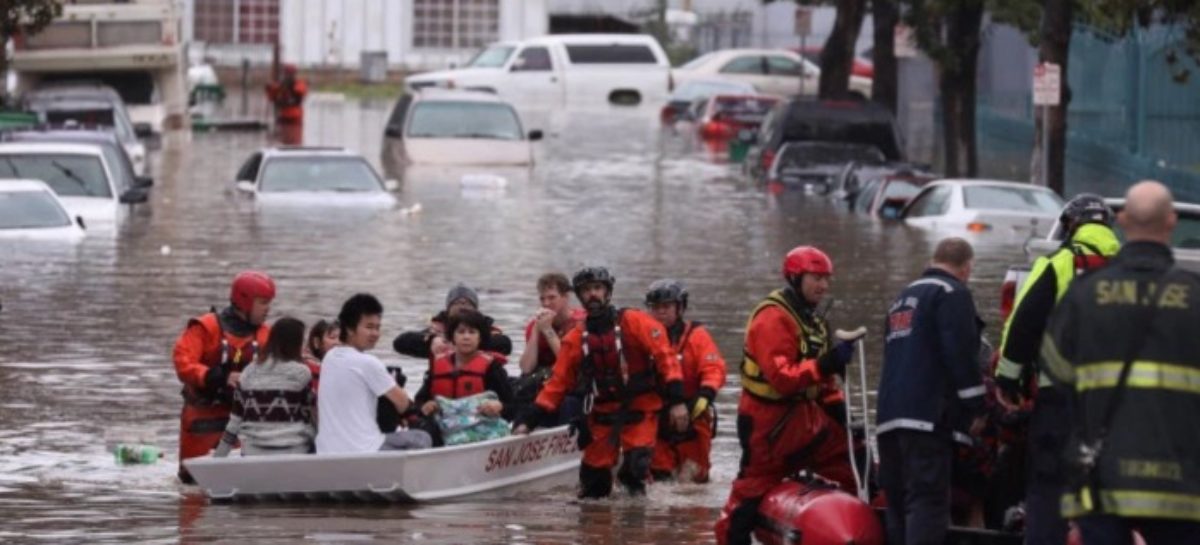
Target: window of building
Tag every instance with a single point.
(451, 24)
(236, 21)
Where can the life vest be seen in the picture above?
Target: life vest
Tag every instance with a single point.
(452, 383)
(812, 336)
(231, 351)
(614, 374)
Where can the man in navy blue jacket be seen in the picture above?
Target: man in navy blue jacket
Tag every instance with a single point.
(931, 388)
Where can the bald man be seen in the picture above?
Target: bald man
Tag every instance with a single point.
(1125, 340)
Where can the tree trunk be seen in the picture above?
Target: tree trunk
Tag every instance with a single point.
(1049, 162)
(837, 57)
(886, 83)
(958, 81)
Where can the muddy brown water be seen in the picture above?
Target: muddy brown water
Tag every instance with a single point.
(87, 330)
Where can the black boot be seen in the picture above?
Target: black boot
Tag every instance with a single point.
(742, 522)
(635, 470)
(594, 482)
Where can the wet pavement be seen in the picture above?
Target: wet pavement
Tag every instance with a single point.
(87, 330)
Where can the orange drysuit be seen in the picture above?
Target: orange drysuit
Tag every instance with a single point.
(204, 345)
(784, 423)
(622, 369)
(703, 371)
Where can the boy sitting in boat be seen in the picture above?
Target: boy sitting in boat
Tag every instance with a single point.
(467, 371)
(272, 406)
(351, 382)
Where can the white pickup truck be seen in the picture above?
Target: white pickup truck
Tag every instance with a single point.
(1185, 244)
(565, 69)
(132, 46)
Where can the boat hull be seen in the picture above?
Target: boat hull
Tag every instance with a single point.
(404, 476)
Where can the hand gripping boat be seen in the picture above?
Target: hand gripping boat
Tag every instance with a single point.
(415, 475)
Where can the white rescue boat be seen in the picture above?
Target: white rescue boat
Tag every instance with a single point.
(416, 475)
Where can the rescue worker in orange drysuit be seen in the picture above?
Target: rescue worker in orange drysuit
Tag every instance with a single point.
(209, 357)
(287, 95)
(791, 415)
(685, 455)
(621, 360)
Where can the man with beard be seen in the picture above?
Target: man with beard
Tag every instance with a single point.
(622, 360)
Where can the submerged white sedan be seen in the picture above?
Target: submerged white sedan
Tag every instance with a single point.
(991, 207)
(317, 176)
(29, 210)
(468, 128)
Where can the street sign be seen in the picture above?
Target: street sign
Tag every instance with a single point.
(803, 21)
(1047, 84)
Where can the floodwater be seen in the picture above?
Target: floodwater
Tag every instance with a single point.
(87, 330)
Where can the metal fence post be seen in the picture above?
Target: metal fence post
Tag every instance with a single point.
(1139, 113)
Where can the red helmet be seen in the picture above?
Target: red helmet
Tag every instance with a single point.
(806, 259)
(248, 286)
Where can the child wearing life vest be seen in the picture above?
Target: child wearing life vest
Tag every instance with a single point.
(272, 406)
(467, 370)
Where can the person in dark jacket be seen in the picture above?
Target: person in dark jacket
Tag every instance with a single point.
(931, 387)
(1088, 244)
(1136, 447)
(432, 342)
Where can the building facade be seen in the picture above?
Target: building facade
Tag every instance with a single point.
(336, 34)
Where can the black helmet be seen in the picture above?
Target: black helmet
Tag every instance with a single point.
(588, 275)
(1085, 208)
(667, 290)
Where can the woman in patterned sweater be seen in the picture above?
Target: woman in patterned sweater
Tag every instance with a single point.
(272, 406)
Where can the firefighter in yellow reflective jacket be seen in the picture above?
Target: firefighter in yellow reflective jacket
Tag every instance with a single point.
(1089, 243)
(1125, 338)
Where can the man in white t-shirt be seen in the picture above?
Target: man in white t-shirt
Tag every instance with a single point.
(352, 382)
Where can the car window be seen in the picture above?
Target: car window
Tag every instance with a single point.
(862, 202)
(698, 61)
(697, 89)
(742, 109)
(455, 119)
(495, 56)
(249, 170)
(1021, 199)
(767, 130)
(933, 202)
(30, 210)
(534, 59)
(611, 54)
(69, 175)
(827, 154)
(341, 174)
(750, 64)
(122, 169)
(1187, 231)
(899, 189)
(782, 66)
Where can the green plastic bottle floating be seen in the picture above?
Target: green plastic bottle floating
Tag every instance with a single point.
(130, 454)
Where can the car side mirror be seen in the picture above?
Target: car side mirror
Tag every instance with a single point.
(80, 223)
(135, 195)
(245, 186)
(890, 210)
(535, 135)
(393, 132)
(391, 185)
(143, 130)
(143, 181)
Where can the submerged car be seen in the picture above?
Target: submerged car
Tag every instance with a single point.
(685, 97)
(885, 196)
(803, 119)
(723, 116)
(1014, 209)
(326, 176)
(773, 71)
(439, 127)
(29, 209)
(91, 106)
(123, 169)
(814, 166)
(79, 174)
